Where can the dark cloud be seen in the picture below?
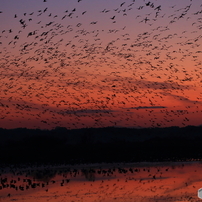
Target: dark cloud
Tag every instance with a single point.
(87, 111)
(161, 85)
(148, 107)
(181, 98)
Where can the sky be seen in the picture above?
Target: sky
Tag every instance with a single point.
(92, 63)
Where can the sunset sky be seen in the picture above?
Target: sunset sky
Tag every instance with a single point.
(98, 63)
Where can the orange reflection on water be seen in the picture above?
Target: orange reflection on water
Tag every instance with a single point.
(145, 182)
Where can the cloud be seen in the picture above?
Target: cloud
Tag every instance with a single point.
(87, 111)
(181, 98)
(148, 107)
(163, 85)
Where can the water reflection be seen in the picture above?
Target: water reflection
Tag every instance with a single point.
(89, 174)
(42, 175)
(145, 182)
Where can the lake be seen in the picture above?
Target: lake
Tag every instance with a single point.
(120, 182)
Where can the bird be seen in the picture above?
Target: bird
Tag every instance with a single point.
(122, 4)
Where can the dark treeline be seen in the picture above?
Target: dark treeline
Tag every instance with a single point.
(94, 145)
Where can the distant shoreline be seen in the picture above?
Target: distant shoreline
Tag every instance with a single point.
(96, 145)
(30, 167)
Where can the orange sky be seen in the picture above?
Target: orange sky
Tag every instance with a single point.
(92, 64)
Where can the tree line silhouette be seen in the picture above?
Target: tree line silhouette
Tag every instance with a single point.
(96, 145)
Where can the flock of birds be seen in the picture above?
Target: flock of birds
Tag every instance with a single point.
(135, 64)
(115, 183)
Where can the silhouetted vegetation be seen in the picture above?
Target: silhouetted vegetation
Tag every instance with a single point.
(94, 145)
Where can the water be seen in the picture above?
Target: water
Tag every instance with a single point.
(139, 182)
